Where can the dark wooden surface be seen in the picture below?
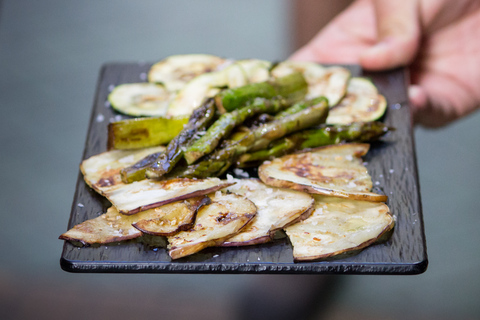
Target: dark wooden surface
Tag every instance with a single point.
(391, 163)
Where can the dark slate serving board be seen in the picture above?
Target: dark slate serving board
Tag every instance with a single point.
(391, 163)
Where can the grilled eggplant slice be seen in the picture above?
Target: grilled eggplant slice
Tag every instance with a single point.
(276, 208)
(335, 170)
(329, 82)
(102, 171)
(176, 71)
(337, 226)
(171, 218)
(146, 194)
(140, 99)
(216, 222)
(113, 226)
(362, 103)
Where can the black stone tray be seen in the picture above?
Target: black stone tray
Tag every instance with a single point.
(391, 163)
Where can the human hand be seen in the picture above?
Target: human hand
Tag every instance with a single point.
(438, 39)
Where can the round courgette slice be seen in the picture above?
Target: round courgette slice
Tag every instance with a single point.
(176, 71)
(140, 99)
(329, 82)
(362, 103)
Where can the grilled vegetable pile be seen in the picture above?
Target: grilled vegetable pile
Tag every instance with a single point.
(168, 171)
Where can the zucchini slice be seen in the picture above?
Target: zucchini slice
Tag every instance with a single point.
(195, 92)
(362, 103)
(140, 99)
(204, 86)
(143, 132)
(330, 82)
(176, 71)
(255, 70)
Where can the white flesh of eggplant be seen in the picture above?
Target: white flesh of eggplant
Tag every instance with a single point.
(146, 194)
(362, 103)
(330, 82)
(171, 218)
(335, 170)
(140, 99)
(102, 173)
(176, 71)
(113, 226)
(224, 217)
(337, 226)
(276, 208)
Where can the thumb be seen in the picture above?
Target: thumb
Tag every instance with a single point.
(398, 35)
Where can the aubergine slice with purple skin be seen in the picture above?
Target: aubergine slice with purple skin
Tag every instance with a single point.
(172, 218)
(223, 218)
(335, 170)
(276, 209)
(113, 226)
(338, 227)
(102, 173)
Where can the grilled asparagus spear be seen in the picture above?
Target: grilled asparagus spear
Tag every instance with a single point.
(292, 87)
(299, 106)
(216, 163)
(316, 137)
(137, 171)
(226, 123)
(201, 118)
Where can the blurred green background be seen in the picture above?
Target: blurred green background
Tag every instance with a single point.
(50, 55)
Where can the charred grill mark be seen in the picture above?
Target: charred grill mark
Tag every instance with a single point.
(109, 178)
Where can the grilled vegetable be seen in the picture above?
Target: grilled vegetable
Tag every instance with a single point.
(291, 87)
(114, 226)
(316, 137)
(138, 170)
(140, 99)
(146, 194)
(329, 82)
(362, 103)
(299, 106)
(276, 208)
(143, 132)
(227, 122)
(216, 222)
(201, 118)
(255, 70)
(243, 141)
(171, 218)
(196, 92)
(335, 170)
(337, 226)
(176, 71)
(102, 171)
